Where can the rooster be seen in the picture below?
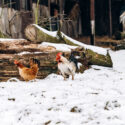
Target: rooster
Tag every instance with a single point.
(28, 73)
(66, 67)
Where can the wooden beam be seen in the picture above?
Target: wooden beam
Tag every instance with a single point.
(92, 18)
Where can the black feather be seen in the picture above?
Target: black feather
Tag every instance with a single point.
(73, 59)
(35, 61)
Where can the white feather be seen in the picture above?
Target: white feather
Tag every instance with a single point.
(66, 67)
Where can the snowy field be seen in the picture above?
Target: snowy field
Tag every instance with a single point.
(96, 97)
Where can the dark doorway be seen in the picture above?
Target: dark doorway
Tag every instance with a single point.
(117, 6)
(102, 16)
(85, 16)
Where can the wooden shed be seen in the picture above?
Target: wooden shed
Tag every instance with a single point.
(79, 17)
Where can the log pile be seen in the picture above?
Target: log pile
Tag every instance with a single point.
(9, 70)
(23, 50)
(46, 56)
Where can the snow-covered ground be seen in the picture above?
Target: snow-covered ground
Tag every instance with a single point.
(96, 97)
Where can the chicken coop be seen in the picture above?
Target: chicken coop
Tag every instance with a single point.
(78, 17)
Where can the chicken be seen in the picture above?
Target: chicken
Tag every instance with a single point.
(28, 73)
(66, 67)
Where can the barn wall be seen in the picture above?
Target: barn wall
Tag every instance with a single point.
(71, 26)
(11, 22)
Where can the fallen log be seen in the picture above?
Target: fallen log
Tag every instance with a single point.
(94, 58)
(37, 34)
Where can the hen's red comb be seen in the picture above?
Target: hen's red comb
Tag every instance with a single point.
(59, 54)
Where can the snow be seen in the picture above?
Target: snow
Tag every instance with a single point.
(9, 40)
(96, 49)
(99, 50)
(97, 97)
(51, 33)
(25, 52)
(59, 47)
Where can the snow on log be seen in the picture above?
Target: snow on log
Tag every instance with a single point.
(99, 56)
(38, 34)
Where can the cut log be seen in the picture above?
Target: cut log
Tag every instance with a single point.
(12, 46)
(37, 34)
(94, 58)
(34, 34)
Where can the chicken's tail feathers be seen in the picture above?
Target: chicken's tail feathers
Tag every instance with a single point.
(35, 61)
(73, 59)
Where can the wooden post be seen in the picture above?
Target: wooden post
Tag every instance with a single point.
(20, 7)
(110, 19)
(49, 6)
(31, 9)
(49, 2)
(92, 17)
(61, 6)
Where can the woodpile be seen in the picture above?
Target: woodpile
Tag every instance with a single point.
(23, 50)
(9, 70)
